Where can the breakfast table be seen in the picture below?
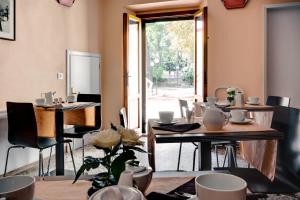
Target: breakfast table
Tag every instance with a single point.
(204, 137)
(62, 188)
(50, 118)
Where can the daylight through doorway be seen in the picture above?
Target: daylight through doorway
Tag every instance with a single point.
(170, 63)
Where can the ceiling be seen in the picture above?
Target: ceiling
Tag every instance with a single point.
(165, 5)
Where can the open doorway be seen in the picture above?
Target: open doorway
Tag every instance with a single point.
(165, 58)
(170, 64)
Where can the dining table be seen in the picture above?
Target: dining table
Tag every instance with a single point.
(204, 138)
(52, 117)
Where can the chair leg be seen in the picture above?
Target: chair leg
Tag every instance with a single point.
(217, 156)
(194, 158)
(41, 165)
(82, 150)
(48, 168)
(233, 150)
(7, 155)
(226, 152)
(179, 155)
(71, 152)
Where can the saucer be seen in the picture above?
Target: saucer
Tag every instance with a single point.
(246, 121)
(165, 124)
(255, 104)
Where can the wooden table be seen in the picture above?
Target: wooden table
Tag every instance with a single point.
(251, 108)
(61, 188)
(230, 132)
(59, 128)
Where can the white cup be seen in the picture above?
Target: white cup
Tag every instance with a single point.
(40, 101)
(71, 99)
(238, 115)
(220, 186)
(211, 100)
(166, 116)
(253, 100)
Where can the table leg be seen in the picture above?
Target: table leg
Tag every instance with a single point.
(59, 127)
(204, 155)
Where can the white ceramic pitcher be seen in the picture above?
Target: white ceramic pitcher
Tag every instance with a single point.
(214, 118)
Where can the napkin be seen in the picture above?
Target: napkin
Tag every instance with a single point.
(161, 196)
(178, 127)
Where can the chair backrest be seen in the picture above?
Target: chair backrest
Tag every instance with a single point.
(92, 98)
(183, 105)
(22, 128)
(278, 101)
(123, 117)
(221, 93)
(287, 120)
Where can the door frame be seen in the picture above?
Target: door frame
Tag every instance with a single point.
(126, 18)
(158, 17)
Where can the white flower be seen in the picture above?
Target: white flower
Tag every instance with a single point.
(106, 138)
(231, 89)
(129, 137)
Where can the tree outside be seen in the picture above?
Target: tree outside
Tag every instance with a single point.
(170, 47)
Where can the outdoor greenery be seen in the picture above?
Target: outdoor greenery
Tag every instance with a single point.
(170, 48)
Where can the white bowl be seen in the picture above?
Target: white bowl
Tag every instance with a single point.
(143, 179)
(17, 187)
(215, 186)
(112, 192)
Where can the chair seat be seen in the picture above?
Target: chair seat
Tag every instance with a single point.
(78, 131)
(44, 142)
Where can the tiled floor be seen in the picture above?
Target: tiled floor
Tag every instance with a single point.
(166, 159)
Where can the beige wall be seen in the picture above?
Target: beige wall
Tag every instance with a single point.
(44, 30)
(235, 50)
(235, 46)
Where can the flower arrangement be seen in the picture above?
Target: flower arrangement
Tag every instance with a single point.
(231, 92)
(119, 145)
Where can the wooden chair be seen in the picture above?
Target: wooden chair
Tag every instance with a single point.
(22, 132)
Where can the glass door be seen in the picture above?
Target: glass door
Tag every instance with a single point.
(201, 54)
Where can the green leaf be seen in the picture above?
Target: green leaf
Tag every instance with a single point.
(89, 163)
(80, 171)
(137, 149)
(115, 149)
(118, 165)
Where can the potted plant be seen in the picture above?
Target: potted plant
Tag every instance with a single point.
(119, 145)
(231, 92)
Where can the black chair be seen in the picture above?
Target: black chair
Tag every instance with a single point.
(78, 132)
(123, 117)
(22, 132)
(278, 101)
(287, 175)
(271, 101)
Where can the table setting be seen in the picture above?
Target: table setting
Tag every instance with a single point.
(208, 122)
